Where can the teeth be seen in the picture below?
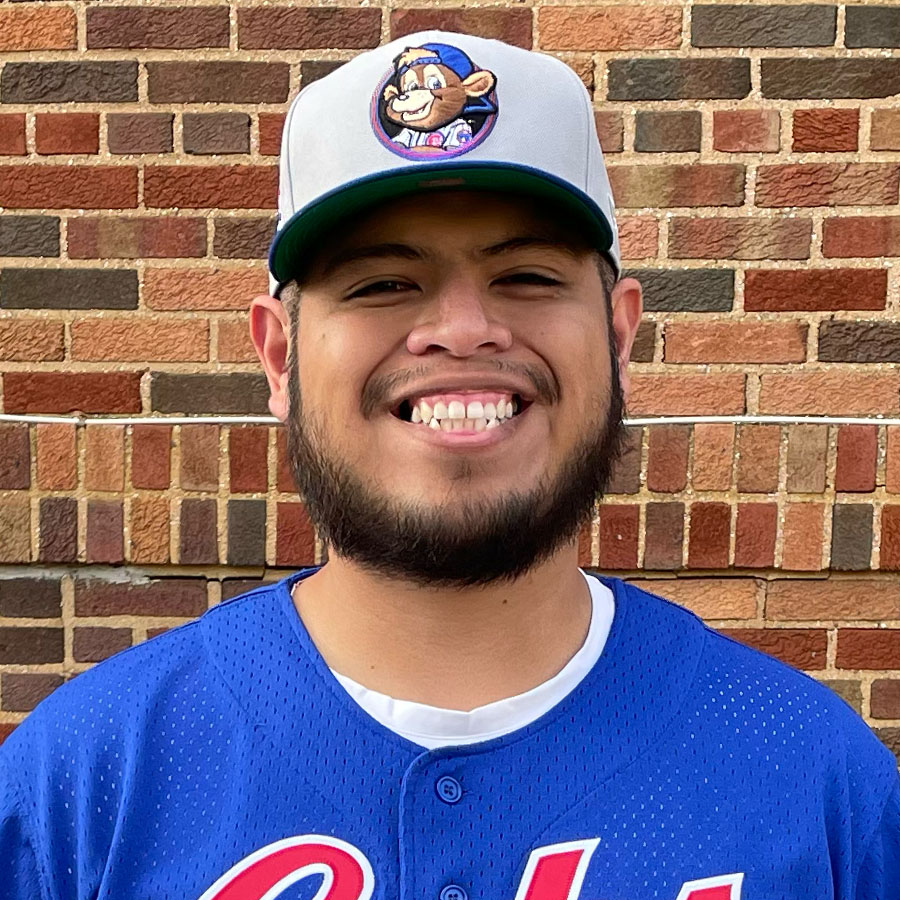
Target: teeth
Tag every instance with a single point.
(490, 411)
(456, 410)
(474, 410)
(440, 410)
(426, 411)
(480, 423)
(513, 408)
(446, 424)
(435, 425)
(501, 408)
(492, 423)
(416, 415)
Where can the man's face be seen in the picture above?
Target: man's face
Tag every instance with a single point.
(454, 396)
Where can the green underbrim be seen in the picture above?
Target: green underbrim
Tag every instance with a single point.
(292, 244)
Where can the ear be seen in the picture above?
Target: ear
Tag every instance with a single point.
(479, 83)
(627, 305)
(270, 333)
(390, 92)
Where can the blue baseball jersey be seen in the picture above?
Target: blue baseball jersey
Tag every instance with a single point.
(223, 761)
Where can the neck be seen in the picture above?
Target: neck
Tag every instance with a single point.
(455, 649)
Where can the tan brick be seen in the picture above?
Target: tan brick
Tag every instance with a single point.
(892, 468)
(609, 27)
(747, 130)
(31, 340)
(885, 130)
(836, 392)
(137, 340)
(833, 599)
(737, 342)
(638, 237)
(56, 459)
(806, 458)
(104, 457)
(234, 344)
(149, 529)
(207, 289)
(15, 528)
(803, 536)
(757, 462)
(713, 457)
(37, 28)
(711, 598)
(672, 395)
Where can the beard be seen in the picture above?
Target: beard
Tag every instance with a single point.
(475, 543)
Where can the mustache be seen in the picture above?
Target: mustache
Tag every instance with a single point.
(380, 388)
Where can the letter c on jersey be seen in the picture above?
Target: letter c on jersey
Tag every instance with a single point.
(266, 873)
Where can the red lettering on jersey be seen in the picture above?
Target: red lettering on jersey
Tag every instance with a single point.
(266, 873)
(722, 887)
(556, 872)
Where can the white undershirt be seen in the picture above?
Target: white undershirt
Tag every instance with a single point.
(433, 727)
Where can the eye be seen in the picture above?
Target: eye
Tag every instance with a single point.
(387, 287)
(529, 278)
(433, 83)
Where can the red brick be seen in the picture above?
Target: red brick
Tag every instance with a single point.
(711, 598)
(56, 457)
(15, 457)
(857, 456)
(105, 526)
(885, 133)
(828, 184)
(868, 648)
(618, 536)
(807, 457)
(747, 130)
(710, 536)
(91, 644)
(12, 134)
(687, 185)
(609, 27)
(270, 127)
(865, 236)
(892, 464)
(306, 28)
(149, 597)
(783, 290)
(885, 700)
(830, 392)
(67, 133)
(31, 340)
(178, 28)
(58, 392)
(149, 531)
(197, 187)
(6, 729)
(140, 339)
(672, 395)
(15, 529)
(757, 458)
(610, 131)
(638, 237)
(68, 187)
(111, 237)
(890, 538)
(667, 458)
(104, 457)
(664, 536)
(233, 342)
(813, 599)
(37, 28)
(735, 342)
(826, 130)
(150, 456)
(510, 25)
(204, 289)
(584, 541)
(804, 537)
(713, 457)
(199, 457)
(248, 448)
(740, 238)
(295, 542)
(754, 535)
(803, 648)
(284, 478)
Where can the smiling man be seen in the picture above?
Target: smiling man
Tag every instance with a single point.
(449, 708)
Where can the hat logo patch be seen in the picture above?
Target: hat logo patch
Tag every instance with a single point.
(434, 103)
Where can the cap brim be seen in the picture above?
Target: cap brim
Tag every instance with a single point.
(301, 232)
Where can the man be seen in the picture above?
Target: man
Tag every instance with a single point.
(448, 708)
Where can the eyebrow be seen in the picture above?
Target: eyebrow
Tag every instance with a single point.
(529, 242)
(371, 251)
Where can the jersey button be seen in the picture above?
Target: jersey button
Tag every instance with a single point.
(450, 791)
(453, 892)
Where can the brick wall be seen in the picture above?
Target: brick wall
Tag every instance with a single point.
(755, 157)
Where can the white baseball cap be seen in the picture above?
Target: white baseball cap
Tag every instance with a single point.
(438, 110)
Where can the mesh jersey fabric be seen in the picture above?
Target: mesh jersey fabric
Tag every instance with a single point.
(684, 754)
(433, 727)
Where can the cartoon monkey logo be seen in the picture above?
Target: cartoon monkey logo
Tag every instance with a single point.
(434, 102)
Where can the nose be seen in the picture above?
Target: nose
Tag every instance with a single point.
(459, 322)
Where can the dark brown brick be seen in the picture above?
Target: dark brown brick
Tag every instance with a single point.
(313, 69)
(150, 456)
(22, 646)
(830, 79)
(306, 28)
(664, 533)
(217, 82)
(91, 644)
(140, 597)
(66, 392)
(68, 289)
(112, 237)
(644, 343)
(510, 25)
(678, 79)
(757, 458)
(69, 82)
(851, 537)
(139, 132)
(178, 28)
(610, 130)
(826, 130)
(859, 342)
(885, 698)
(15, 458)
(208, 133)
(626, 473)
(234, 394)
(754, 535)
(243, 238)
(667, 457)
(754, 25)
(21, 692)
(709, 541)
(872, 26)
(29, 236)
(803, 648)
(676, 131)
(198, 539)
(34, 598)
(857, 457)
(58, 529)
(686, 290)
(637, 186)
(234, 587)
(246, 532)
(104, 531)
(849, 691)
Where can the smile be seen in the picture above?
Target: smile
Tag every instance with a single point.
(464, 413)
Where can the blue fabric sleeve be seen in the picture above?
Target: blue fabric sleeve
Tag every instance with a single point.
(20, 877)
(879, 877)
